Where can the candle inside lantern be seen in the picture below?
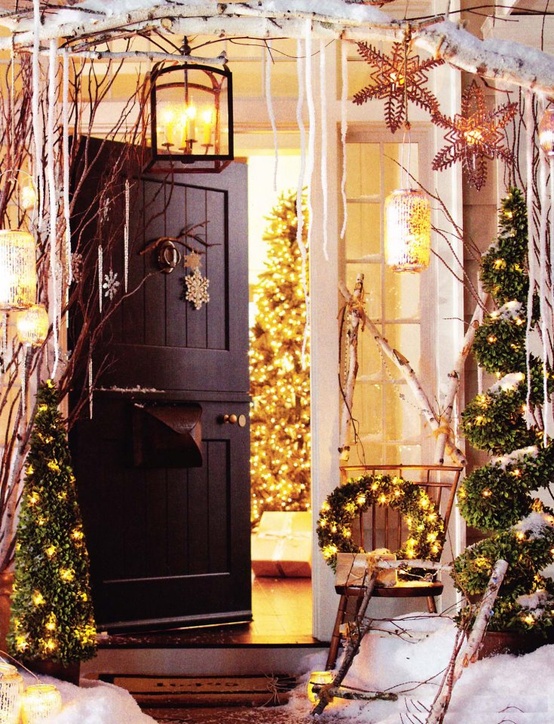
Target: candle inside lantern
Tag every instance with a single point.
(40, 702)
(318, 678)
(11, 686)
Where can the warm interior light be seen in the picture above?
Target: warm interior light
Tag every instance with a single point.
(11, 686)
(407, 230)
(18, 273)
(546, 132)
(32, 325)
(39, 703)
(318, 678)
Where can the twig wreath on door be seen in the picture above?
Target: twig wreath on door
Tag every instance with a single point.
(347, 501)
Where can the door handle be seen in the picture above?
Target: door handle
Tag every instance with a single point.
(233, 419)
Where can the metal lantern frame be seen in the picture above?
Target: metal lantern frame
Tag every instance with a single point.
(181, 86)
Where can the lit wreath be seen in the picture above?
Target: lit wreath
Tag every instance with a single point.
(421, 515)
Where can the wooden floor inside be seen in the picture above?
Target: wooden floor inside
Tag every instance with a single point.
(282, 616)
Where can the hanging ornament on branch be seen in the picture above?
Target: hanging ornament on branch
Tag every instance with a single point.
(474, 136)
(196, 286)
(397, 79)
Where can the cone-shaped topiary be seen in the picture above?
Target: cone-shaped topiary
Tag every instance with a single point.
(498, 498)
(52, 613)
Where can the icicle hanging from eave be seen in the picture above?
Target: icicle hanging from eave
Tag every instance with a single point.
(529, 125)
(35, 111)
(544, 292)
(343, 132)
(100, 276)
(323, 92)
(65, 164)
(267, 60)
(55, 296)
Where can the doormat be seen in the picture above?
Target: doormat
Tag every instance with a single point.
(205, 691)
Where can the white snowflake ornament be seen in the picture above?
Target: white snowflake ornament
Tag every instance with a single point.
(110, 284)
(197, 289)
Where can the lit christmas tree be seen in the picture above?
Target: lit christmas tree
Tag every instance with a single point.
(52, 615)
(505, 420)
(279, 369)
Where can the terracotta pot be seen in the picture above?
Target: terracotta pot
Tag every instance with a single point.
(6, 588)
(64, 672)
(510, 642)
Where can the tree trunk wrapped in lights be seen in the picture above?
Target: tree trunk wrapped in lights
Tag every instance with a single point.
(52, 615)
(505, 420)
(279, 369)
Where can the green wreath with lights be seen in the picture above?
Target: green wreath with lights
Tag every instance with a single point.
(343, 506)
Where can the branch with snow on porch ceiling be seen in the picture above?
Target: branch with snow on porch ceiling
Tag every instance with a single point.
(509, 62)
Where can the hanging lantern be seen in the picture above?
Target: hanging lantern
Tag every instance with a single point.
(40, 702)
(11, 687)
(32, 325)
(192, 118)
(546, 131)
(318, 678)
(18, 273)
(407, 230)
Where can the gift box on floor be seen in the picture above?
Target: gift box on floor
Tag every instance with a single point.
(282, 545)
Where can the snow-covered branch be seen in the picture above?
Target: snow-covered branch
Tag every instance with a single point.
(78, 25)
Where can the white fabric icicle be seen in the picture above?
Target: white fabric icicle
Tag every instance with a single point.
(65, 163)
(343, 132)
(271, 111)
(100, 276)
(90, 388)
(529, 123)
(545, 306)
(323, 91)
(126, 235)
(53, 205)
(35, 110)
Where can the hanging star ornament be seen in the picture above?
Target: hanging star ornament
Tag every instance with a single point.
(474, 136)
(397, 78)
(193, 260)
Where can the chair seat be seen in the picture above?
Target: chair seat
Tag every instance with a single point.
(402, 589)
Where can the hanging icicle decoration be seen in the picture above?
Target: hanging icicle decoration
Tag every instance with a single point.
(35, 111)
(68, 267)
(343, 132)
(529, 126)
(55, 296)
(100, 276)
(270, 110)
(302, 71)
(323, 90)
(90, 387)
(126, 236)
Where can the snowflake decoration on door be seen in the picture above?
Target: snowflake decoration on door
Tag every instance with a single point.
(397, 78)
(197, 289)
(474, 135)
(110, 284)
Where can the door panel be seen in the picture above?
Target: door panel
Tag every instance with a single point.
(167, 516)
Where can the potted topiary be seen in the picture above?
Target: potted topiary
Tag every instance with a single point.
(500, 498)
(52, 627)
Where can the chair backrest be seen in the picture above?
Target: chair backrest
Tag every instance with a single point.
(380, 526)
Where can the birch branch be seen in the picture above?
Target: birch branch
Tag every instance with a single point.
(469, 653)
(413, 383)
(454, 377)
(510, 62)
(355, 314)
(352, 648)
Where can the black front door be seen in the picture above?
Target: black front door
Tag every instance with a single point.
(162, 465)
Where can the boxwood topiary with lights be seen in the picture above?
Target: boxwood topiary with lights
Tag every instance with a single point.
(499, 497)
(52, 615)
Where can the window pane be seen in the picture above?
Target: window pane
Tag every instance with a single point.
(401, 295)
(363, 231)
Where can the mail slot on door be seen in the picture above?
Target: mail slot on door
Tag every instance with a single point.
(167, 435)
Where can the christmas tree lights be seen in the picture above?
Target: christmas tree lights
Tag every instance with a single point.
(279, 369)
(51, 613)
(498, 498)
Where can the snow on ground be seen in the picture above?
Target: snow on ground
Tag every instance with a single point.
(399, 657)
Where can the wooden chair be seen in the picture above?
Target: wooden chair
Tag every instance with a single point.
(381, 527)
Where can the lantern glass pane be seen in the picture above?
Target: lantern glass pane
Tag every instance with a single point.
(407, 230)
(191, 113)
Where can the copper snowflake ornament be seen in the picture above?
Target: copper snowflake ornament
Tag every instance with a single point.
(397, 78)
(474, 136)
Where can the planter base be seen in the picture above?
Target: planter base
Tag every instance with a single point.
(64, 672)
(508, 642)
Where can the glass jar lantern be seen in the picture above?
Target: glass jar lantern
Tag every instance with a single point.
(11, 687)
(39, 703)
